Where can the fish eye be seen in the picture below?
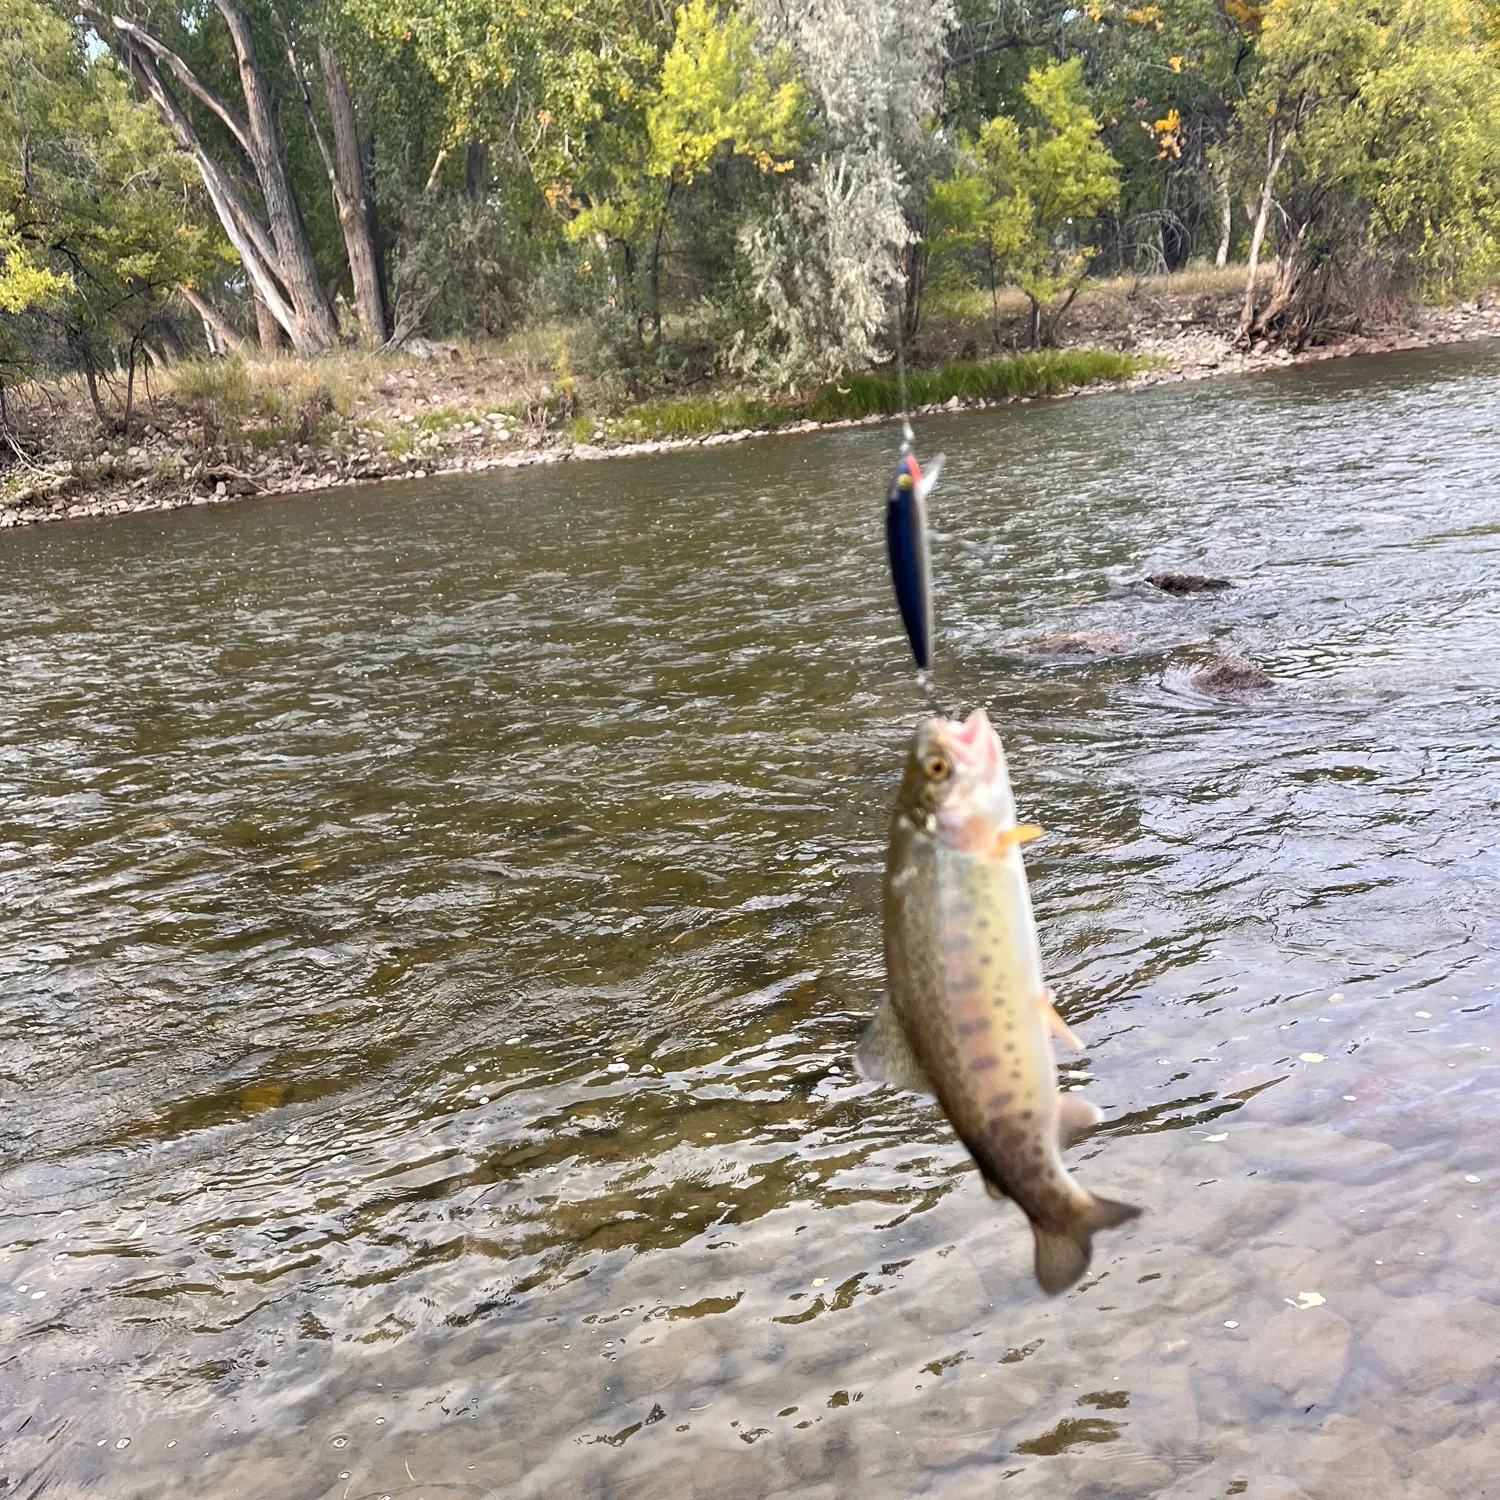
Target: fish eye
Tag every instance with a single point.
(935, 765)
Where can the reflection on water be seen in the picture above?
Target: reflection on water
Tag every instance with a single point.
(436, 921)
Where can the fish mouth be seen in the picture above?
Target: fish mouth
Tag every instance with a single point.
(970, 811)
(973, 745)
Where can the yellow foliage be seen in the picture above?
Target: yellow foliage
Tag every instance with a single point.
(715, 92)
(1245, 14)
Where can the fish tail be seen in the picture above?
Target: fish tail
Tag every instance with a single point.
(1063, 1251)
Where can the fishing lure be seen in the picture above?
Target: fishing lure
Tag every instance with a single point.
(906, 546)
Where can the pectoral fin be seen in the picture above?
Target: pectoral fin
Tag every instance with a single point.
(885, 1056)
(1075, 1118)
(1010, 838)
(1056, 1025)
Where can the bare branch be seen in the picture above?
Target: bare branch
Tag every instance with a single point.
(184, 75)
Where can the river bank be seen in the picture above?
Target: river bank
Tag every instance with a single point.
(221, 433)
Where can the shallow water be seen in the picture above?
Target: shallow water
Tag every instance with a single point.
(435, 921)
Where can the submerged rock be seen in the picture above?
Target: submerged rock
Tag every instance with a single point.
(1228, 674)
(1179, 585)
(1082, 643)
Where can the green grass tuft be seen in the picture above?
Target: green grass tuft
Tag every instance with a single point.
(1046, 372)
(699, 416)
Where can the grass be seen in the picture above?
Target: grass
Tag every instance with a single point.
(700, 416)
(238, 391)
(1044, 373)
(270, 402)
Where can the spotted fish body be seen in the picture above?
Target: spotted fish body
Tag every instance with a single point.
(967, 1016)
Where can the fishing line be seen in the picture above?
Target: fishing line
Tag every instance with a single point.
(908, 438)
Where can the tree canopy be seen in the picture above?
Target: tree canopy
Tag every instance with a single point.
(778, 188)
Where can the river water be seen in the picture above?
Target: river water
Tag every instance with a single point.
(435, 921)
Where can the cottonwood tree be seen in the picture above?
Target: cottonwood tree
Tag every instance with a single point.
(240, 151)
(715, 101)
(1026, 195)
(1377, 129)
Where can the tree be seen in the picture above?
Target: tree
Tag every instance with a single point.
(1376, 124)
(714, 101)
(1026, 194)
(100, 225)
(827, 260)
(192, 65)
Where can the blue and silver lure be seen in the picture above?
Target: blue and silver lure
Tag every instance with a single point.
(906, 545)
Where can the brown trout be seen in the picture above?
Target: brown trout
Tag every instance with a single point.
(967, 1014)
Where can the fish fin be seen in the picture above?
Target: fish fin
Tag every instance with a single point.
(885, 1056)
(925, 482)
(1009, 838)
(994, 1189)
(1063, 1254)
(1075, 1118)
(1056, 1025)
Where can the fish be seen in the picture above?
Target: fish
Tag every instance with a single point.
(967, 1013)
(906, 547)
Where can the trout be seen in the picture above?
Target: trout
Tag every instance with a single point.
(966, 1017)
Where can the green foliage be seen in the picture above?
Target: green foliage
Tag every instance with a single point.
(23, 283)
(1044, 373)
(699, 416)
(716, 93)
(749, 188)
(553, 72)
(99, 223)
(1026, 195)
(1372, 138)
(715, 99)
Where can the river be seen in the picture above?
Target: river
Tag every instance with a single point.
(435, 921)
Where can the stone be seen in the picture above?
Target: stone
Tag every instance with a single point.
(1229, 674)
(1302, 1356)
(1082, 643)
(1181, 585)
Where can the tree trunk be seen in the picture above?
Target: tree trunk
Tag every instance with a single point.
(130, 389)
(213, 319)
(653, 281)
(994, 294)
(476, 170)
(244, 231)
(1275, 155)
(913, 283)
(377, 237)
(1292, 313)
(1054, 321)
(267, 328)
(1035, 331)
(1221, 185)
(91, 379)
(351, 197)
(316, 330)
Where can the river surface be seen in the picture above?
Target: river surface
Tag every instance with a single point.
(435, 921)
